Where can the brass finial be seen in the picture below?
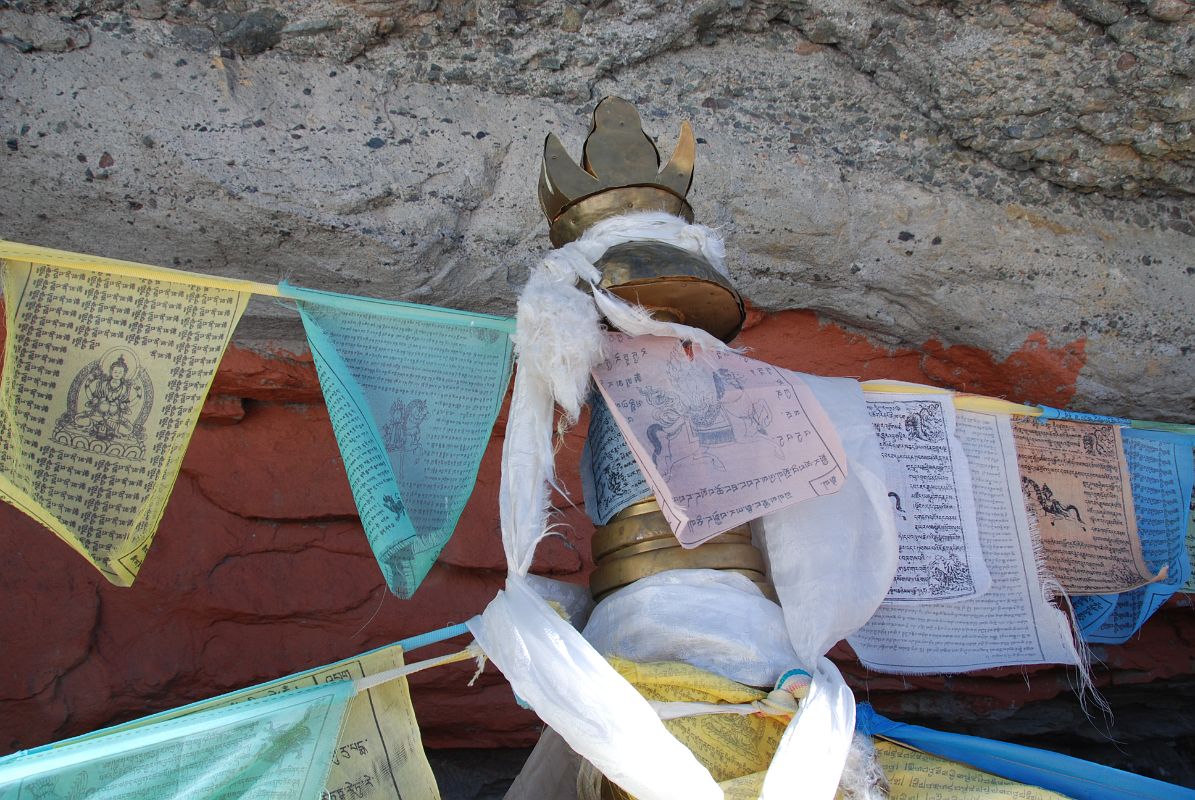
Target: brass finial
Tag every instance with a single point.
(619, 172)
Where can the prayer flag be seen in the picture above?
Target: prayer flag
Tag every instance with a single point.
(379, 752)
(107, 364)
(1076, 484)
(914, 775)
(1014, 622)
(1189, 586)
(929, 483)
(413, 393)
(722, 439)
(278, 745)
(1162, 476)
(1067, 775)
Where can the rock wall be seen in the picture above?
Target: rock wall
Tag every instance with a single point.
(993, 197)
(972, 172)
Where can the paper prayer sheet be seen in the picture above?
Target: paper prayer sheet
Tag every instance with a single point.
(273, 747)
(1076, 484)
(721, 438)
(104, 378)
(929, 484)
(610, 476)
(1162, 476)
(413, 393)
(1013, 622)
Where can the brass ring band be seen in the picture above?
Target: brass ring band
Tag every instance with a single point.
(643, 506)
(622, 571)
(634, 530)
(631, 530)
(669, 541)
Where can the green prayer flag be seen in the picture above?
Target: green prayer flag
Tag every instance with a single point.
(277, 747)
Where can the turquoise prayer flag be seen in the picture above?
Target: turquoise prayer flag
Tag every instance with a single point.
(278, 746)
(413, 392)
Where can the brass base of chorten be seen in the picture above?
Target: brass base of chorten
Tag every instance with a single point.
(638, 542)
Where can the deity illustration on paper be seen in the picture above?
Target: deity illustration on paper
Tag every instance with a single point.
(948, 576)
(699, 412)
(107, 406)
(1099, 441)
(720, 438)
(403, 429)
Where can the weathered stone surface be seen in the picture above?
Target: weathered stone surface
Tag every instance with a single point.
(28, 32)
(971, 173)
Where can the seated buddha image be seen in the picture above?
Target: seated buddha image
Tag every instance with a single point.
(107, 407)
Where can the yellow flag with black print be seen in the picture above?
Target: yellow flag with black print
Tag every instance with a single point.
(106, 366)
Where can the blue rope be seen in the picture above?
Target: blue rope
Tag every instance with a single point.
(424, 639)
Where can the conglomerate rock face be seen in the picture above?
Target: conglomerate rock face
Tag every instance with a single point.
(994, 197)
(973, 173)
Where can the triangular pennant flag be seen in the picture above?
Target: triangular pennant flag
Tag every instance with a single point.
(379, 752)
(106, 367)
(277, 746)
(413, 393)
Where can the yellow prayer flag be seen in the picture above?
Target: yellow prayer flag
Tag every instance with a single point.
(914, 775)
(105, 373)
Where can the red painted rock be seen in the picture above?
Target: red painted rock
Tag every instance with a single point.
(278, 462)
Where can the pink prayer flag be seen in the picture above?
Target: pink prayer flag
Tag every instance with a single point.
(721, 438)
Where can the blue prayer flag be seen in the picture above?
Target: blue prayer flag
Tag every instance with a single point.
(1162, 474)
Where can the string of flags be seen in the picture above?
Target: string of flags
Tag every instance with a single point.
(108, 364)
(1000, 510)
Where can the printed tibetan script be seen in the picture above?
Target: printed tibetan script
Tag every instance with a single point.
(413, 393)
(1076, 483)
(1161, 474)
(1014, 622)
(610, 476)
(379, 751)
(721, 438)
(929, 485)
(273, 747)
(103, 382)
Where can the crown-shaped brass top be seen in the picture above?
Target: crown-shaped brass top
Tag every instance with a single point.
(619, 172)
